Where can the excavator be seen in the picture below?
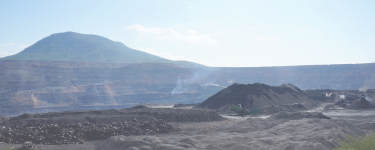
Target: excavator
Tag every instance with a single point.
(241, 111)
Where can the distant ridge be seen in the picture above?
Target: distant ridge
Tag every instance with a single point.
(71, 46)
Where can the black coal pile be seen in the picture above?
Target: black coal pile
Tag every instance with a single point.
(340, 102)
(74, 119)
(281, 108)
(185, 105)
(176, 115)
(53, 134)
(255, 96)
(361, 103)
(79, 126)
(298, 115)
(106, 116)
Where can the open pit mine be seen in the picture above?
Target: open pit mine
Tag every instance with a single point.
(289, 119)
(63, 93)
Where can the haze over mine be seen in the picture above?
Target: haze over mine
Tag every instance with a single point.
(213, 33)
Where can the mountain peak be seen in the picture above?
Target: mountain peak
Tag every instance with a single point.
(72, 46)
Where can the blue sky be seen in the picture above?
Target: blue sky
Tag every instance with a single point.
(232, 33)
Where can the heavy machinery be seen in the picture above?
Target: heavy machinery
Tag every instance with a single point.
(242, 111)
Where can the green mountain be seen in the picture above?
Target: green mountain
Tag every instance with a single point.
(71, 46)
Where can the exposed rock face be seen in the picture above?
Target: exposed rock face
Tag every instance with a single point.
(45, 86)
(256, 95)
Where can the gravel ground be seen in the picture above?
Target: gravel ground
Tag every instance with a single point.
(317, 129)
(252, 133)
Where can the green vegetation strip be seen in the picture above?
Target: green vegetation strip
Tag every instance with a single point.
(359, 143)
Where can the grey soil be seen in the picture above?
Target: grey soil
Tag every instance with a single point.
(245, 134)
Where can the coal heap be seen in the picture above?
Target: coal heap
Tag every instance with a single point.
(78, 126)
(340, 102)
(256, 95)
(184, 105)
(361, 103)
(53, 134)
(176, 115)
(298, 115)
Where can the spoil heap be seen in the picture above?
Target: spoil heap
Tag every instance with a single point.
(340, 102)
(53, 134)
(298, 115)
(76, 127)
(361, 103)
(176, 115)
(286, 132)
(257, 95)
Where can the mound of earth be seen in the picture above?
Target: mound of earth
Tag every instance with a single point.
(176, 115)
(340, 102)
(63, 121)
(361, 103)
(255, 96)
(75, 127)
(139, 107)
(184, 105)
(291, 86)
(250, 134)
(298, 115)
(286, 107)
(53, 134)
(140, 113)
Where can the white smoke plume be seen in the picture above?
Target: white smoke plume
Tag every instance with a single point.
(182, 86)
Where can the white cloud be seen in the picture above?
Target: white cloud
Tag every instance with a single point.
(369, 39)
(9, 44)
(165, 55)
(188, 5)
(191, 32)
(170, 56)
(171, 34)
(264, 38)
(193, 38)
(24, 46)
(4, 53)
(254, 29)
(157, 30)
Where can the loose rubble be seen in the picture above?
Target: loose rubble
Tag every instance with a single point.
(176, 115)
(361, 103)
(53, 134)
(53, 129)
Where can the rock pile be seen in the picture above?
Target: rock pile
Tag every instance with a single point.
(341, 103)
(176, 115)
(256, 96)
(298, 115)
(361, 103)
(184, 105)
(76, 127)
(53, 134)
